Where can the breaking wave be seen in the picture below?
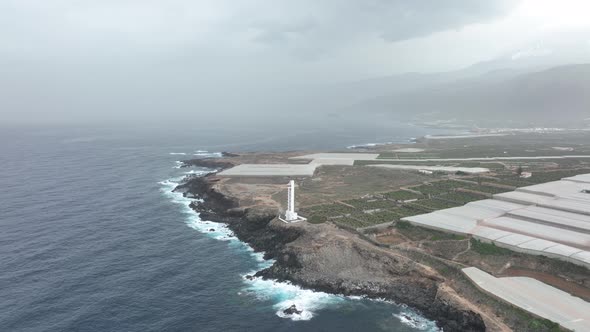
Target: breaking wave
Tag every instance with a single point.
(281, 294)
(284, 295)
(207, 154)
(412, 319)
(367, 145)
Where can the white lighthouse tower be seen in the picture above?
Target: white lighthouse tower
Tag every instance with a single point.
(290, 214)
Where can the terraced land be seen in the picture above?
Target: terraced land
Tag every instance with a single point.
(372, 204)
(402, 195)
(433, 204)
(321, 213)
(461, 197)
(365, 215)
(437, 195)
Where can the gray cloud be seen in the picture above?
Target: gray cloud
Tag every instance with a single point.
(315, 23)
(34, 25)
(111, 59)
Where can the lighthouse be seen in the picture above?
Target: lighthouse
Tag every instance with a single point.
(290, 214)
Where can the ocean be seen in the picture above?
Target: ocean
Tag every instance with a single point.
(93, 239)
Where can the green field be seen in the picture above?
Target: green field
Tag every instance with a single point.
(434, 204)
(374, 204)
(402, 195)
(461, 197)
(390, 206)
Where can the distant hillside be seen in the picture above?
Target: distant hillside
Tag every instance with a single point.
(554, 96)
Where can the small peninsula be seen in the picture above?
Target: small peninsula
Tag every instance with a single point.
(356, 240)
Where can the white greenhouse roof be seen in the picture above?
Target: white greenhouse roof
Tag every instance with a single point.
(535, 297)
(551, 219)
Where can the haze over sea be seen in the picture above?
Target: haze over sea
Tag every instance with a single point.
(92, 239)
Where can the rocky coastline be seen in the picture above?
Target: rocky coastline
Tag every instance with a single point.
(324, 258)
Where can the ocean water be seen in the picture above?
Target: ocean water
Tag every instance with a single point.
(93, 239)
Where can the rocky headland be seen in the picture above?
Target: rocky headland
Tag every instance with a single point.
(325, 258)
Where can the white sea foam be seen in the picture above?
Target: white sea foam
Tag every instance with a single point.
(192, 171)
(221, 231)
(205, 153)
(413, 320)
(178, 153)
(367, 145)
(179, 164)
(284, 295)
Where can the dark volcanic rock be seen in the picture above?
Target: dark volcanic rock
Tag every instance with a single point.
(249, 225)
(206, 162)
(292, 310)
(229, 154)
(452, 319)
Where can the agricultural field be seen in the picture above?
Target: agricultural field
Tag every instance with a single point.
(437, 195)
(538, 177)
(486, 189)
(321, 213)
(376, 218)
(351, 222)
(445, 187)
(429, 189)
(434, 204)
(461, 197)
(407, 210)
(439, 187)
(541, 177)
(372, 204)
(402, 195)
(510, 180)
(405, 155)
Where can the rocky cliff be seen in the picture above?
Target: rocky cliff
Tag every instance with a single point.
(325, 258)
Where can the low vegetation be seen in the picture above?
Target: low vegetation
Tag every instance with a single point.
(441, 194)
(402, 195)
(483, 248)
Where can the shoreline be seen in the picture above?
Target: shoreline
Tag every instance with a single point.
(287, 245)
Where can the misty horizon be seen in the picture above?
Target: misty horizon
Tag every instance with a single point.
(150, 62)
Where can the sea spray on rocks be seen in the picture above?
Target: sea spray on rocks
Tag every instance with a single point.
(283, 294)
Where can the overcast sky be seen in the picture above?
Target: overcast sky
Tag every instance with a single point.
(103, 60)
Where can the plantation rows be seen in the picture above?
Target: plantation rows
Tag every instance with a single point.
(511, 180)
(402, 195)
(445, 187)
(541, 177)
(362, 204)
(327, 210)
(376, 217)
(461, 197)
(434, 204)
(443, 194)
